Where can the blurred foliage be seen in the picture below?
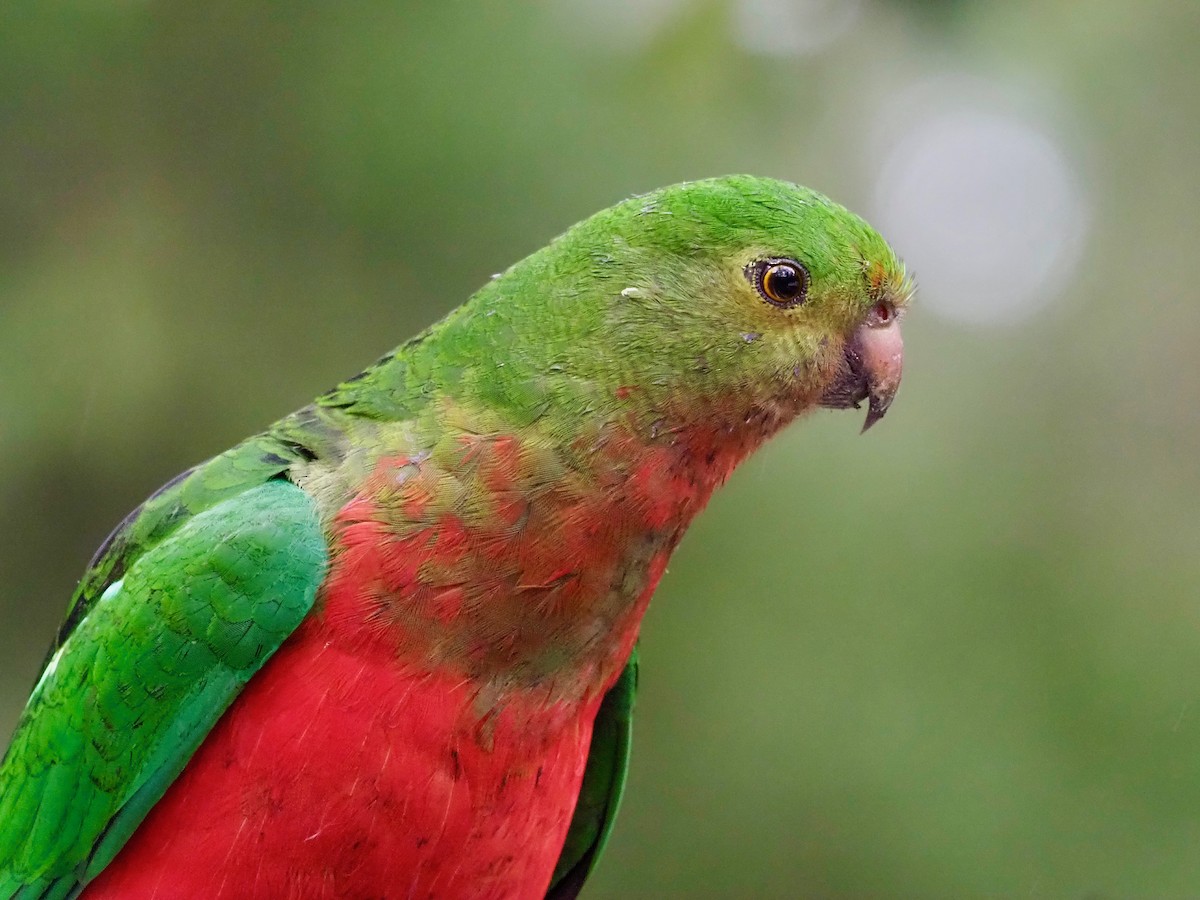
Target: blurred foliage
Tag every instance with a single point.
(958, 657)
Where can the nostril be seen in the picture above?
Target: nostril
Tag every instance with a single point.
(883, 312)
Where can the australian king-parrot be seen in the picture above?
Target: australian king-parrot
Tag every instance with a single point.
(385, 648)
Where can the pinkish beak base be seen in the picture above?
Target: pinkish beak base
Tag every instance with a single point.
(880, 349)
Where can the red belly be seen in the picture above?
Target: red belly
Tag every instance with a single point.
(338, 774)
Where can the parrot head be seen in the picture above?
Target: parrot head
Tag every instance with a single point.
(764, 291)
(731, 303)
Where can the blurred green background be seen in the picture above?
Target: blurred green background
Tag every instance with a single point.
(958, 657)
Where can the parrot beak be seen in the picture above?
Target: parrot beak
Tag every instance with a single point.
(874, 361)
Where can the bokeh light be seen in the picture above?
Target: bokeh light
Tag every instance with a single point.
(792, 27)
(982, 201)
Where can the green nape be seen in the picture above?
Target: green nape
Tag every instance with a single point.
(126, 699)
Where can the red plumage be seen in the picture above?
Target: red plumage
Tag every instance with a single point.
(336, 774)
(400, 743)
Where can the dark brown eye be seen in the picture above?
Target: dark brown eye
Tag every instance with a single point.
(781, 282)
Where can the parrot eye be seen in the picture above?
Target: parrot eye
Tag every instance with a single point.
(781, 282)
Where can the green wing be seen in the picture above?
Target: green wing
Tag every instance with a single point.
(603, 784)
(142, 672)
(251, 463)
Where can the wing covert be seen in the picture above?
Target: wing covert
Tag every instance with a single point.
(130, 694)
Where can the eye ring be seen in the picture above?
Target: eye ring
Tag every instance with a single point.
(783, 283)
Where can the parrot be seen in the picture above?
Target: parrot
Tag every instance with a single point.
(387, 646)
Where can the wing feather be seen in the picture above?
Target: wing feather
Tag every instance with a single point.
(603, 784)
(144, 675)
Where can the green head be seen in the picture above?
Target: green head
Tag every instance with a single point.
(739, 300)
